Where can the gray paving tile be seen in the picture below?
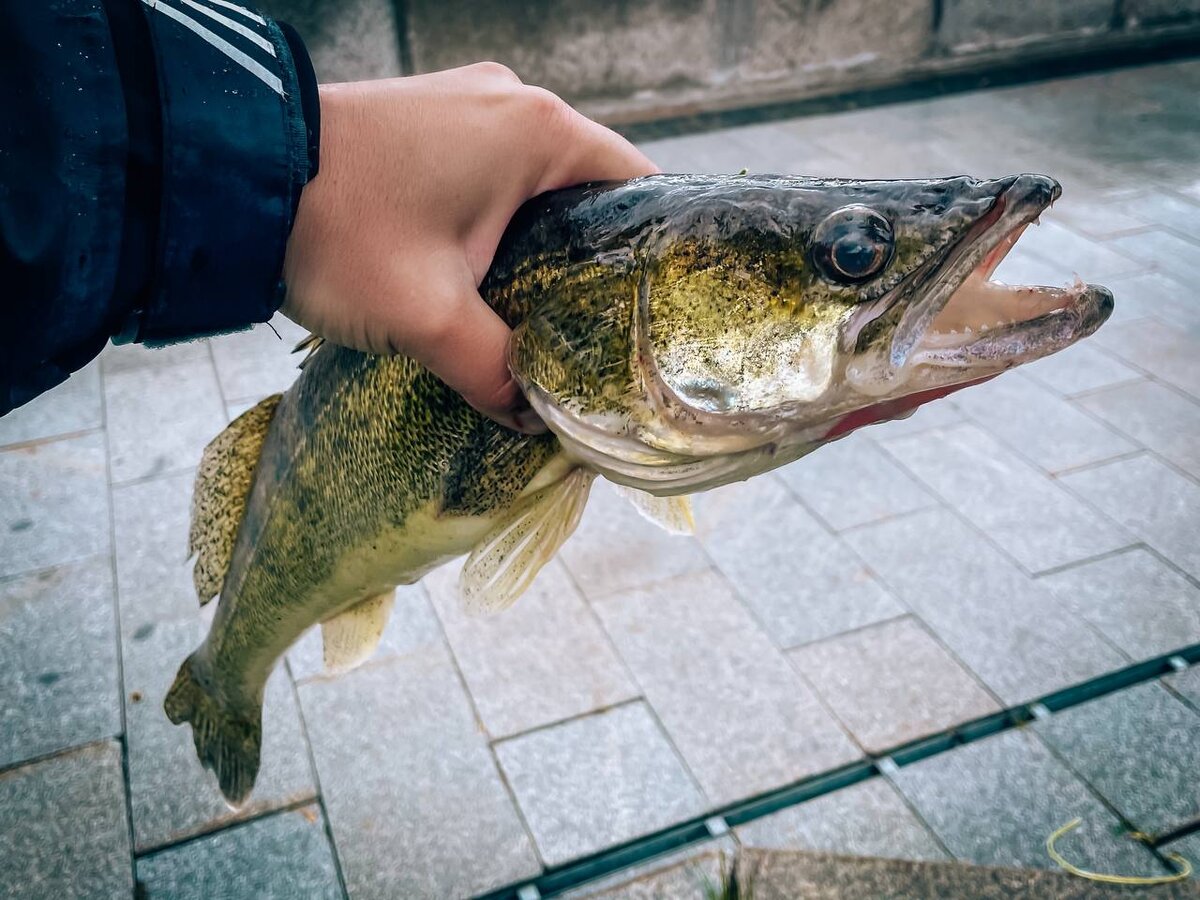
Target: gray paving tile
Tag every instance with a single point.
(982, 606)
(1156, 417)
(851, 482)
(72, 406)
(937, 414)
(544, 660)
(597, 781)
(739, 715)
(1139, 749)
(1171, 253)
(1096, 215)
(150, 530)
(996, 801)
(412, 793)
(778, 147)
(1172, 300)
(1167, 353)
(281, 857)
(866, 819)
(1038, 424)
(616, 548)
(172, 796)
(1017, 506)
(1154, 502)
(710, 152)
(1079, 368)
(1188, 848)
(891, 683)
(1187, 683)
(1159, 208)
(1137, 602)
(161, 418)
(63, 833)
(1093, 261)
(58, 684)
(53, 503)
(413, 626)
(127, 357)
(252, 364)
(801, 583)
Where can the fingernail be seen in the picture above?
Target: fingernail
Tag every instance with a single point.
(529, 422)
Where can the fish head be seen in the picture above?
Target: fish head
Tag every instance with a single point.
(761, 317)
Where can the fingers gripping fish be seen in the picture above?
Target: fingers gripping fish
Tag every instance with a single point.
(675, 332)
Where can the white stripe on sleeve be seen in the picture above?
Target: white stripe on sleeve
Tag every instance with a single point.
(250, 65)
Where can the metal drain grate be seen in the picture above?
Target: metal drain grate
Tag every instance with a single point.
(625, 856)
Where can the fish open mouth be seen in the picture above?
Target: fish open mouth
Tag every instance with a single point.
(973, 322)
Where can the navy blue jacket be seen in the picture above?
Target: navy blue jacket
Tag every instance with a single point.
(152, 154)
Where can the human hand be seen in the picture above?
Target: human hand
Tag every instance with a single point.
(419, 178)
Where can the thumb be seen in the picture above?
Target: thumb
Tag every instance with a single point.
(465, 344)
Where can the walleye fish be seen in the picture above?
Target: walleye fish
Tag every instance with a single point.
(675, 332)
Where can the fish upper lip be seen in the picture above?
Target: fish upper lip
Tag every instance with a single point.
(1022, 201)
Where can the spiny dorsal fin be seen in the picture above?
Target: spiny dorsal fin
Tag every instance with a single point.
(505, 563)
(672, 514)
(351, 636)
(219, 497)
(308, 347)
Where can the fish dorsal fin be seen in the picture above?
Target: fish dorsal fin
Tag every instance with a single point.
(505, 563)
(219, 496)
(672, 514)
(351, 636)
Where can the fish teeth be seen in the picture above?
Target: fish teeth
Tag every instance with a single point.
(982, 328)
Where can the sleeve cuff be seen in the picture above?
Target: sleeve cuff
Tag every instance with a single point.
(240, 125)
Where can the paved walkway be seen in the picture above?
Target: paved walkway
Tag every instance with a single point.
(1036, 533)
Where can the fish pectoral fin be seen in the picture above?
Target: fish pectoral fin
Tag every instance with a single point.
(352, 636)
(505, 563)
(672, 514)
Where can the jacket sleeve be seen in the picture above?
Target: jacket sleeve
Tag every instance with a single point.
(152, 154)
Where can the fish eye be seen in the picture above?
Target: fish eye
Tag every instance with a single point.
(853, 244)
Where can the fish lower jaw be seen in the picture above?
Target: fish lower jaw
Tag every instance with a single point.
(986, 319)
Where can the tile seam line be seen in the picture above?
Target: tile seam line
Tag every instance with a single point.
(57, 753)
(557, 880)
(118, 634)
(319, 794)
(291, 806)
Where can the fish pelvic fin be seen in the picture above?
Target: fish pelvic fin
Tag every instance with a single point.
(228, 742)
(672, 514)
(505, 563)
(351, 636)
(219, 498)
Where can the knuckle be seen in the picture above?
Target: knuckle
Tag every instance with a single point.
(546, 109)
(491, 69)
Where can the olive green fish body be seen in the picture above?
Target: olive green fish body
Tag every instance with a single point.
(373, 472)
(675, 333)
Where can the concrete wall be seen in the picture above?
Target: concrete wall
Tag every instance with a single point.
(628, 60)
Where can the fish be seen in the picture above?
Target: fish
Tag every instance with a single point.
(674, 332)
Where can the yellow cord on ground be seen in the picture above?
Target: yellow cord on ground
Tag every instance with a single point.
(1185, 867)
